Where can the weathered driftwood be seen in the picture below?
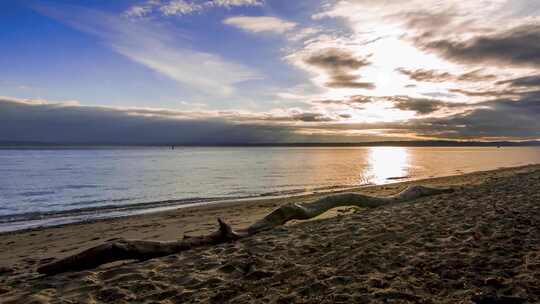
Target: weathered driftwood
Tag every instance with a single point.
(309, 210)
(135, 250)
(144, 250)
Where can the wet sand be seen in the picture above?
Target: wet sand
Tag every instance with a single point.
(480, 244)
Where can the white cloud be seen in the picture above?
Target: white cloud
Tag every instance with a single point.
(184, 7)
(206, 72)
(137, 11)
(231, 3)
(37, 102)
(303, 34)
(141, 10)
(179, 7)
(154, 47)
(260, 24)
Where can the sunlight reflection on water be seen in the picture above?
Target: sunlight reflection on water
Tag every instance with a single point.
(387, 163)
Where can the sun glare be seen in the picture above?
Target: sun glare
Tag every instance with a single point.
(387, 163)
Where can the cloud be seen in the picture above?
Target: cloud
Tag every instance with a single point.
(519, 46)
(179, 7)
(184, 7)
(153, 46)
(353, 101)
(336, 59)
(526, 81)
(425, 19)
(487, 93)
(475, 75)
(426, 75)
(339, 65)
(205, 72)
(231, 3)
(301, 116)
(138, 11)
(260, 24)
(303, 34)
(347, 81)
(69, 124)
(500, 119)
(422, 106)
(313, 117)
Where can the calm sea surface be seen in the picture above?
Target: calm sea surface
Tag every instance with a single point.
(56, 186)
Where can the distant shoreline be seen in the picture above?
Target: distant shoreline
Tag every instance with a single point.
(435, 143)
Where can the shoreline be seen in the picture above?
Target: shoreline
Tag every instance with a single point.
(92, 214)
(39, 221)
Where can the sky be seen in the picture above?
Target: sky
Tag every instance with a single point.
(262, 71)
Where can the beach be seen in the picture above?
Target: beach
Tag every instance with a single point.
(479, 244)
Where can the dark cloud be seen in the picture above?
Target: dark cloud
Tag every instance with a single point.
(28, 121)
(355, 101)
(58, 123)
(312, 117)
(336, 59)
(527, 81)
(299, 116)
(498, 119)
(339, 64)
(422, 106)
(350, 84)
(519, 46)
(475, 75)
(487, 93)
(55, 123)
(490, 120)
(425, 75)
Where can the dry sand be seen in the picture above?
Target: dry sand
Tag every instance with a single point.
(480, 244)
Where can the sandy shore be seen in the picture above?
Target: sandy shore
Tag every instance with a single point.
(480, 244)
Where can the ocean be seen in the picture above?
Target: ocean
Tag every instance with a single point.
(44, 187)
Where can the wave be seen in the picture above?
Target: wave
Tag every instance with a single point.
(36, 193)
(29, 220)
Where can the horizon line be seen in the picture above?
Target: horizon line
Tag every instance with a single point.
(404, 143)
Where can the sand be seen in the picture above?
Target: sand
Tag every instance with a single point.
(480, 244)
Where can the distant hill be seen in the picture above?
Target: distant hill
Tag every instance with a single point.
(427, 143)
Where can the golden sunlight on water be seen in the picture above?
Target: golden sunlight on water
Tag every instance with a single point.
(387, 162)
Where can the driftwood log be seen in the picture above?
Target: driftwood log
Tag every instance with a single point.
(144, 250)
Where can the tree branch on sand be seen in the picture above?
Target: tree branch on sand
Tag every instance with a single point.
(143, 250)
